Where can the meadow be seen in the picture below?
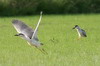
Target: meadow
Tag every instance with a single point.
(60, 41)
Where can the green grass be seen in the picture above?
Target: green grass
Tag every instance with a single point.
(60, 41)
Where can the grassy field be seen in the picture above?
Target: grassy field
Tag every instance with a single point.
(60, 41)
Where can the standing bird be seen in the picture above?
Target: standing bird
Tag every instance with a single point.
(80, 31)
(27, 33)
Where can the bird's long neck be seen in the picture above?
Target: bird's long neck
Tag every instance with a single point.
(79, 31)
(78, 28)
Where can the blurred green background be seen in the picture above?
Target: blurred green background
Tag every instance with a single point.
(31, 7)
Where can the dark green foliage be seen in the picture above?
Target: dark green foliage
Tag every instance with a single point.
(18, 7)
(30, 7)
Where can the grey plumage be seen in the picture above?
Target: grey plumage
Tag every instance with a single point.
(27, 33)
(84, 33)
(80, 31)
(21, 27)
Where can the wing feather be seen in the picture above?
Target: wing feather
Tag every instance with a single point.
(21, 27)
(84, 33)
(36, 29)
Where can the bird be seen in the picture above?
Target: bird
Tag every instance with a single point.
(28, 34)
(81, 32)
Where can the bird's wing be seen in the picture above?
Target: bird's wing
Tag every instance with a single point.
(34, 36)
(84, 33)
(22, 28)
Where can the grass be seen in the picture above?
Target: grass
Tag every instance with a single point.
(60, 41)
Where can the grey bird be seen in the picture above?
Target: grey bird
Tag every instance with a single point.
(81, 32)
(28, 34)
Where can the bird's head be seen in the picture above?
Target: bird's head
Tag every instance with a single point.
(19, 34)
(75, 26)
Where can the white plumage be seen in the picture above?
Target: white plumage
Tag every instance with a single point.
(81, 32)
(28, 33)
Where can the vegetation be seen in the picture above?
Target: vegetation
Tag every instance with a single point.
(60, 41)
(29, 7)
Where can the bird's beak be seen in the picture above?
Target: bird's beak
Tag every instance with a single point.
(16, 35)
(73, 28)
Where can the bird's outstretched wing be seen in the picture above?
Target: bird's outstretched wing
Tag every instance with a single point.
(34, 36)
(21, 27)
(84, 33)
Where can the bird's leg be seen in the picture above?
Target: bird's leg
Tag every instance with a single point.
(42, 50)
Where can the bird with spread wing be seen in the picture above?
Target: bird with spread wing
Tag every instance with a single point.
(28, 34)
